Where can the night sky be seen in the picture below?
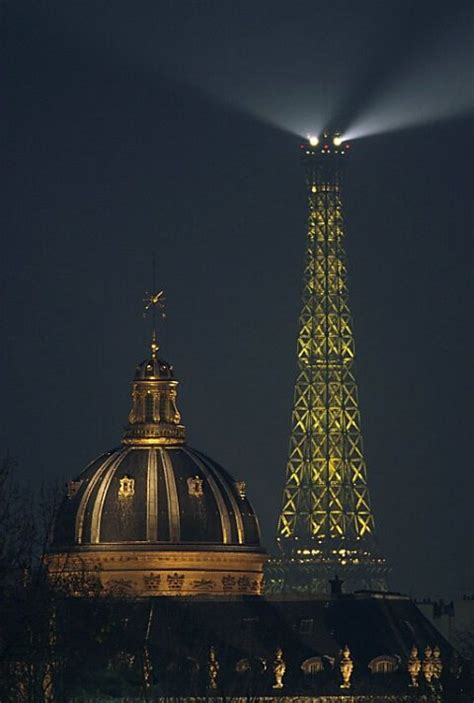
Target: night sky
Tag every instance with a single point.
(174, 128)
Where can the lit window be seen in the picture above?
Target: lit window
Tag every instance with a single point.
(313, 666)
(385, 664)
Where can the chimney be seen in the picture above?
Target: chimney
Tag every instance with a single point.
(336, 586)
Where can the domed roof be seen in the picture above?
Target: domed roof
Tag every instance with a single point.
(154, 516)
(158, 497)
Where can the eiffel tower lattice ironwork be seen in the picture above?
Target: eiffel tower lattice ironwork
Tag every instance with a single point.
(326, 525)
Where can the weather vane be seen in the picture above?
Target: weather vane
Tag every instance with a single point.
(156, 303)
(154, 300)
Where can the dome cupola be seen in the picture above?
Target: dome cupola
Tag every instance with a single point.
(154, 418)
(154, 516)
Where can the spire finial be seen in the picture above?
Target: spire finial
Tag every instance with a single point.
(154, 346)
(153, 301)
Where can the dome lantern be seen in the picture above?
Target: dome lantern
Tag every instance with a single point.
(154, 418)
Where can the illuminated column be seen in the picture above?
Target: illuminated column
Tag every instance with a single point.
(326, 524)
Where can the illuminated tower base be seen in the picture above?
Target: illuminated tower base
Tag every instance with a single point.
(326, 526)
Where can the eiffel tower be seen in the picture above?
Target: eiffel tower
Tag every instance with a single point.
(326, 525)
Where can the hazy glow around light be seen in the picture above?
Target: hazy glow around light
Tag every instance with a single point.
(438, 86)
(267, 69)
(314, 141)
(337, 141)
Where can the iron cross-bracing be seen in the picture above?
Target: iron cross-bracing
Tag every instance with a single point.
(326, 525)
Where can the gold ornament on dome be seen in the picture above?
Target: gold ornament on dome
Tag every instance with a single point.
(175, 581)
(203, 585)
(245, 584)
(73, 487)
(127, 487)
(241, 488)
(152, 582)
(228, 583)
(153, 300)
(195, 489)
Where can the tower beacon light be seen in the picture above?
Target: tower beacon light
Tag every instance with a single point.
(326, 143)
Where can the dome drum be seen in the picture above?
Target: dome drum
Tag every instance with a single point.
(162, 572)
